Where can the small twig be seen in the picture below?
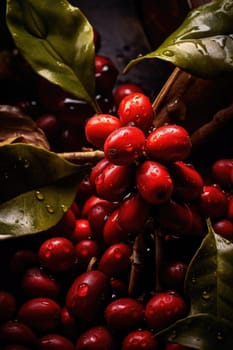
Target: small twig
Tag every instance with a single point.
(82, 157)
(137, 266)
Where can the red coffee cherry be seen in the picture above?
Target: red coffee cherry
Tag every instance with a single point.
(153, 182)
(87, 294)
(99, 126)
(82, 231)
(105, 74)
(97, 216)
(168, 143)
(124, 314)
(54, 342)
(91, 202)
(213, 202)
(49, 124)
(95, 338)
(69, 324)
(163, 309)
(124, 145)
(17, 332)
(114, 181)
(41, 314)
(7, 305)
(173, 275)
(173, 346)
(221, 172)
(97, 169)
(57, 254)
(38, 283)
(188, 183)
(224, 228)
(136, 109)
(86, 250)
(140, 340)
(124, 90)
(22, 259)
(112, 231)
(115, 260)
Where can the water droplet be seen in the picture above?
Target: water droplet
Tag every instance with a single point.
(83, 290)
(205, 295)
(26, 163)
(50, 209)
(168, 53)
(39, 195)
(64, 208)
(194, 280)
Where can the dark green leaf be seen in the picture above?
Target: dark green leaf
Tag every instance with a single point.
(203, 44)
(57, 40)
(36, 188)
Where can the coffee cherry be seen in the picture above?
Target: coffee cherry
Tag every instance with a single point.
(96, 338)
(221, 172)
(49, 124)
(136, 109)
(163, 309)
(124, 90)
(82, 231)
(115, 260)
(213, 202)
(22, 259)
(97, 216)
(7, 305)
(140, 340)
(54, 342)
(114, 182)
(41, 314)
(173, 346)
(124, 314)
(85, 250)
(17, 332)
(91, 202)
(105, 74)
(124, 145)
(153, 182)
(97, 169)
(57, 254)
(112, 230)
(168, 143)
(69, 324)
(99, 126)
(87, 294)
(37, 283)
(187, 181)
(224, 228)
(173, 275)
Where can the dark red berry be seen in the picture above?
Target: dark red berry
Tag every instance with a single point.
(124, 145)
(168, 143)
(17, 332)
(97, 216)
(105, 74)
(112, 230)
(213, 202)
(54, 342)
(153, 182)
(7, 305)
(221, 172)
(49, 124)
(95, 338)
(173, 346)
(140, 340)
(136, 109)
(224, 228)
(124, 90)
(173, 275)
(85, 250)
(82, 231)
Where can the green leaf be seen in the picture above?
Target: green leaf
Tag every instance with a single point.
(209, 284)
(36, 188)
(57, 41)
(203, 44)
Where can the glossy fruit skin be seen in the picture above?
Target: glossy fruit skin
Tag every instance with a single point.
(163, 309)
(22, 259)
(221, 172)
(57, 254)
(97, 169)
(124, 145)
(36, 282)
(114, 182)
(7, 305)
(95, 338)
(99, 126)
(133, 213)
(41, 314)
(173, 275)
(81, 231)
(115, 260)
(85, 250)
(105, 74)
(49, 124)
(168, 143)
(69, 324)
(123, 90)
(173, 346)
(139, 340)
(188, 183)
(136, 109)
(153, 182)
(124, 314)
(213, 202)
(87, 294)
(91, 202)
(224, 228)
(112, 231)
(17, 331)
(54, 342)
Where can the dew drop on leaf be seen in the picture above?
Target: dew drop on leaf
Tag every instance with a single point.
(168, 53)
(39, 195)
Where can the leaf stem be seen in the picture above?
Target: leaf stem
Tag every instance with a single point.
(82, 156)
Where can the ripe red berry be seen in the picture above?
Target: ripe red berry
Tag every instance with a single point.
(224, 228)
(168, 143)
(124, 90)
(54, 342)
(105, 74)
(49, 124)
(99, 126)
(96, 338)
(173, 275)
(57, 254)
(112, 231)
(164, 309)
(153, 182)
(124, 314)
(18, 332)
(124, 145)
(7, 305)
(140, 340)
(221, 172)
(173, 346)
(82, 231)
(85, 250)
(213, 202)
(136, 109)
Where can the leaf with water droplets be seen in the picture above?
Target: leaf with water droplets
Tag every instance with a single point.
(36, 186)
(57, 41)
(203, 44)
(209, 284)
